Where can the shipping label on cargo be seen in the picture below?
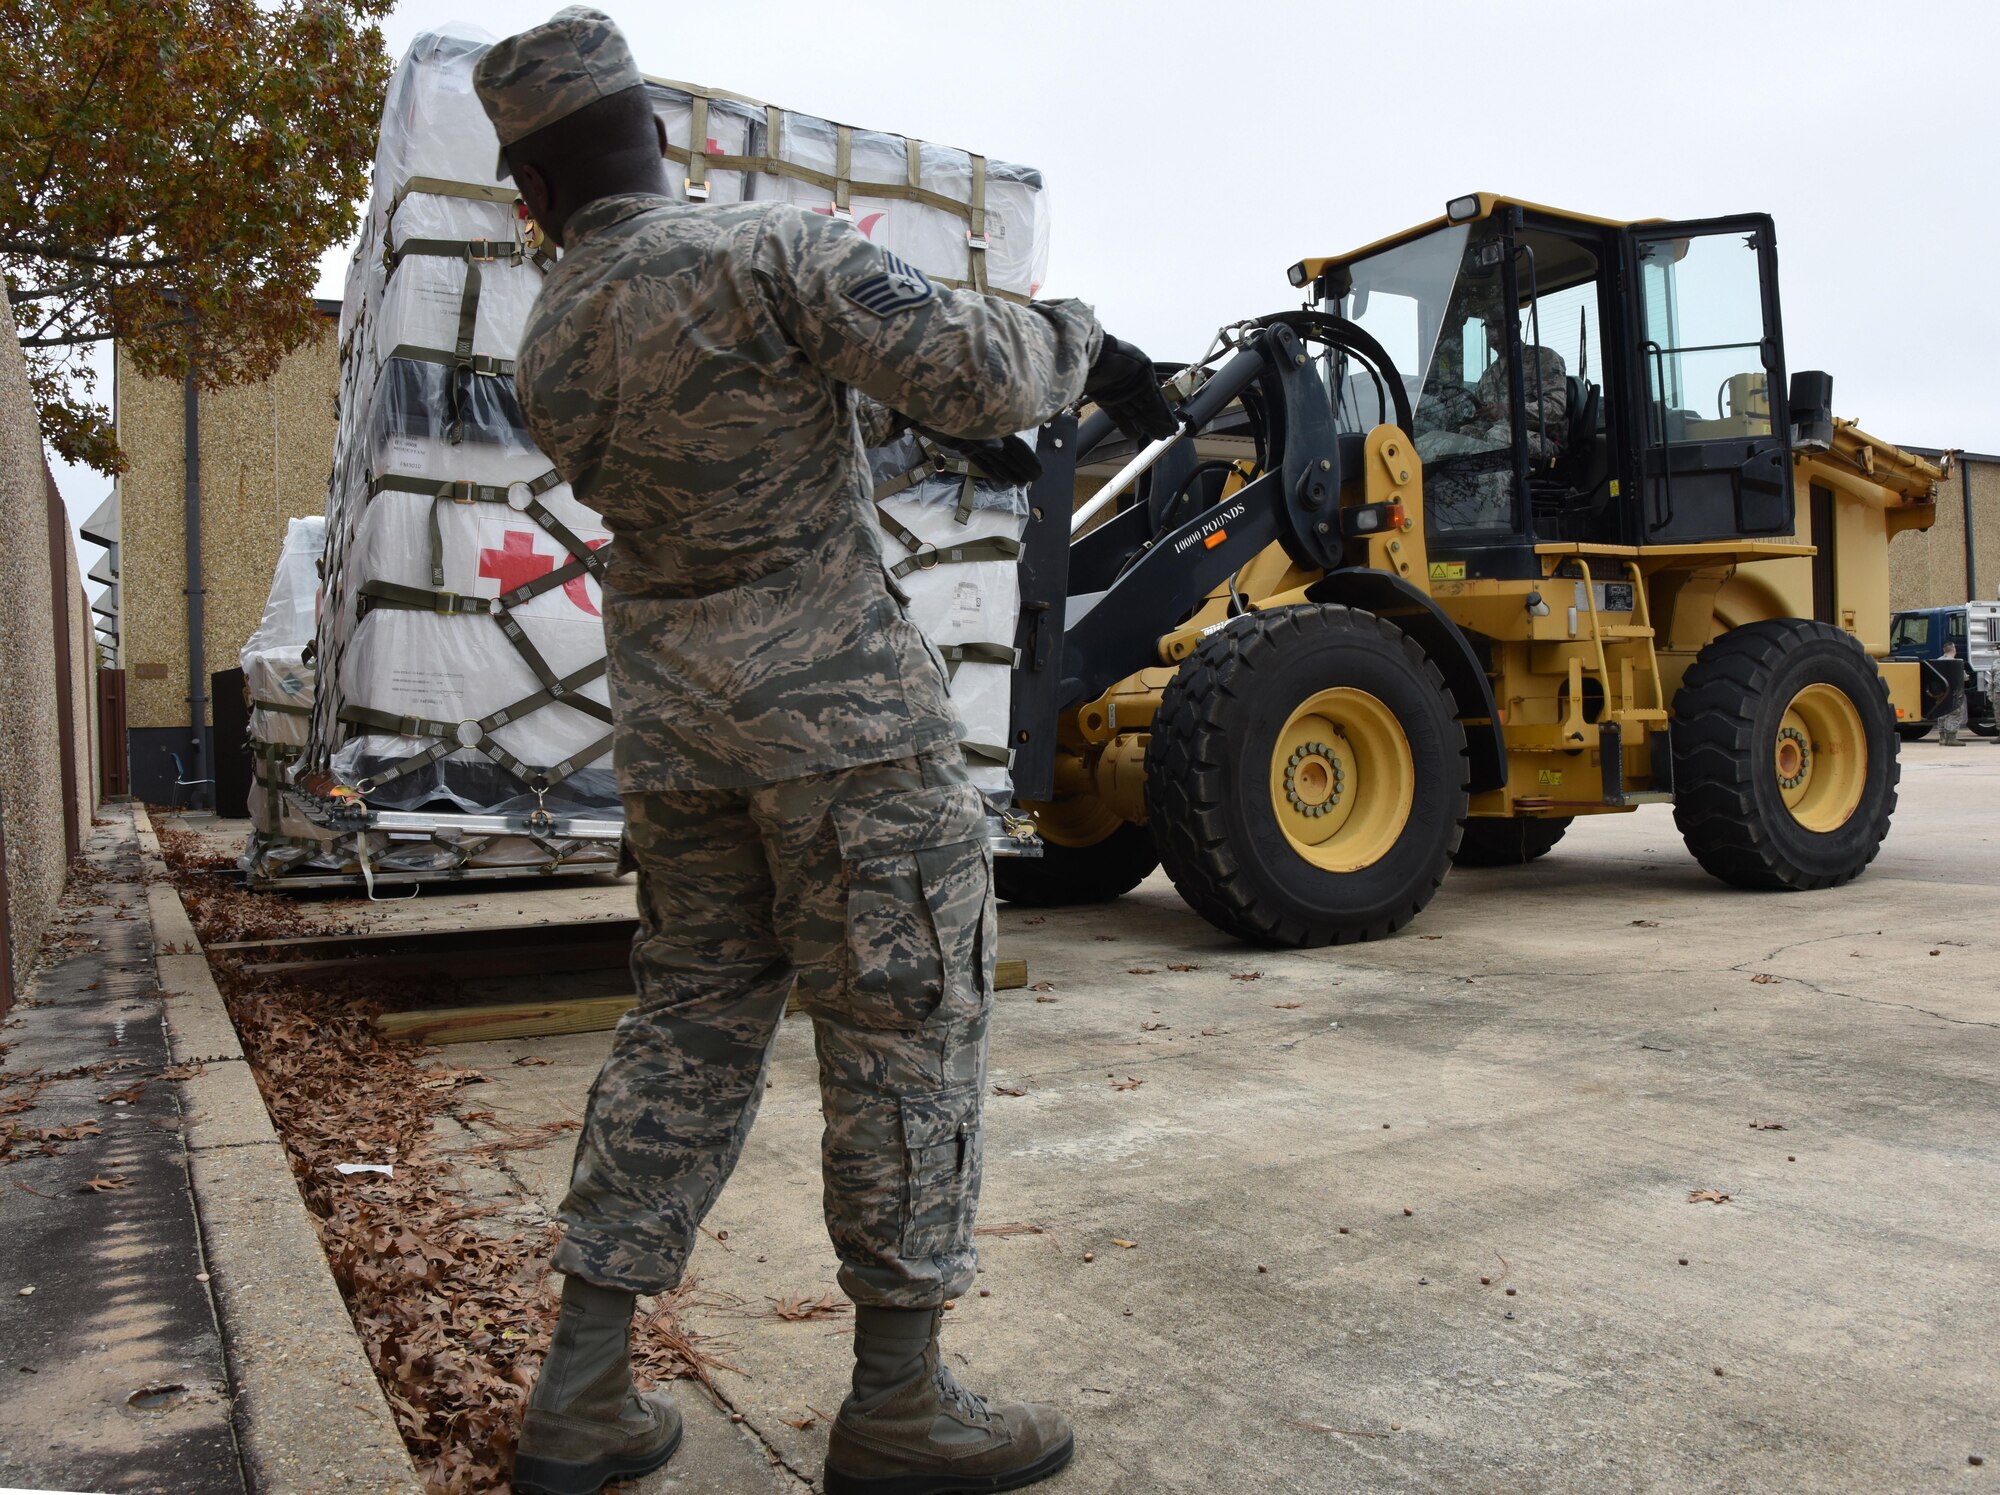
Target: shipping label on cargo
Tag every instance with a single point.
(421, 691)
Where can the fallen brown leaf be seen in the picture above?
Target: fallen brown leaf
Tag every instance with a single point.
(1286, 1006)
(69, 1133)
(1141, 971)
(529, 1060)
(801, 1423)
(126, 1096)
(1043, 986)
(1706, 1196)
(1767, 1126)
(1047, 998)
(1246, 975)
(797, 1310)
(1645, 923)
(1764, 978)
(1130, 1082)
(1151, 1027)
(1128, 1245)
(1008, 1090)
(1036, 919)
(1182, 966)
(105, 1185)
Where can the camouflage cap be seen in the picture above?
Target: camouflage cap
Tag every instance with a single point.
(538, 76)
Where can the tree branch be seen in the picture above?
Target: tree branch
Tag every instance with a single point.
(42, 293)
(41, 250)
(71, 341)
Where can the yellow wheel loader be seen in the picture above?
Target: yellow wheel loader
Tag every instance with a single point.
(1517, 519)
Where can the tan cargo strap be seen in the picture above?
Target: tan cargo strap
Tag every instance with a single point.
(417, 599)
(695, 183)
(290, 708)
(475, 252)
(374, 594)
(958, 654)
(432, 186)
(454, 736)
(479, 363)
(461, 359)
(924, 555)
(987, 752)
(523, 497)
(937, 462)
(975, 234)
(843, 171)
(424, 600)
(839, 184)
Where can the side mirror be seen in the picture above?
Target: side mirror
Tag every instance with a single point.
(1812, 411)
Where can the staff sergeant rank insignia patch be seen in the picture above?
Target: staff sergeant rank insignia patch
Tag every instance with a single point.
(899, 287)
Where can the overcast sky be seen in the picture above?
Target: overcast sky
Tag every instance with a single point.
(1194, 150)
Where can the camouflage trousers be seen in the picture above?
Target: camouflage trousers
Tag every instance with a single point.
(872, 888)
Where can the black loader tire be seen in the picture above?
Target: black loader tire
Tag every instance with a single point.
(1069, 876)
(1914, 731)
(1493, 842)
(1728, 713)
(1210, 768)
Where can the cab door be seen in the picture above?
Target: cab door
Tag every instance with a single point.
(1710, 373)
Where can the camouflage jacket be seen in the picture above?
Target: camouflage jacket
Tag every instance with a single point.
(698, 376)
(1542, 370)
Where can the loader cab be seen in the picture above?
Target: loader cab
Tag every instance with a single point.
(1575, 379)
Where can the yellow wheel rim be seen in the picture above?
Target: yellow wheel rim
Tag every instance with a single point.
(1342, 780)
(1820, 758)
(1078, 821)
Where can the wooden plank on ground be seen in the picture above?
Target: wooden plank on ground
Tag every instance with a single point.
(571, 1015)
(506, 1020)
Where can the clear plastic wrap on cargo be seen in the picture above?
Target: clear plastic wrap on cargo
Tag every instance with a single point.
(1010, 256)
(961, 603)
(432, 122)
(280, 681)
(436, 486)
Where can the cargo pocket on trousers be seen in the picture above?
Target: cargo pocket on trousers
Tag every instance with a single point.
(941, 1141)
(917, 886)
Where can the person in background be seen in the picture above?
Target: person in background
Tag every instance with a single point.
(1951, 716)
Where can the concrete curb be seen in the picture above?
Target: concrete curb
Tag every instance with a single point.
(310, 1416)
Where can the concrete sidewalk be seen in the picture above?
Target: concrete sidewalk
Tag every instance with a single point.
(1413, 1216)
(115, 1376)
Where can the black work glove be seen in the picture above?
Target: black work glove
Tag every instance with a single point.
(1008, 460)
(1123, 384)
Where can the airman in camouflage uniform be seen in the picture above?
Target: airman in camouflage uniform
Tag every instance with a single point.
(1476, 427)
(796, 805)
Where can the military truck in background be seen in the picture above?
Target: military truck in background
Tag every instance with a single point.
(1973, 628)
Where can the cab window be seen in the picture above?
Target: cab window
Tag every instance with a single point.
(1704, 329)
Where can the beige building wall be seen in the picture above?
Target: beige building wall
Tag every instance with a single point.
(1927, 568)
(32, 812)
(266, 451)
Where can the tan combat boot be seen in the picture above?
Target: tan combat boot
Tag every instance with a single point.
(586, 1423)
(910, 1429)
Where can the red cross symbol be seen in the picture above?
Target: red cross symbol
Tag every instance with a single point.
(866, 222)
(517, 563)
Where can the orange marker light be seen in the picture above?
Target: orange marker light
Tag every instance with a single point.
(1215, 539)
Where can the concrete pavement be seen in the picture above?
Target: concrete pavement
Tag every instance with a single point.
(1327, 1151)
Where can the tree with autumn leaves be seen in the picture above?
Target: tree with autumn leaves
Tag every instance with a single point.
(171, 172)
